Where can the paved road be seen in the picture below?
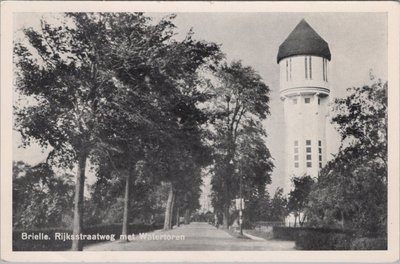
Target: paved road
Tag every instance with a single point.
(196, 236)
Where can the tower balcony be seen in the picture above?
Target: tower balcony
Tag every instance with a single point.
(304, 90)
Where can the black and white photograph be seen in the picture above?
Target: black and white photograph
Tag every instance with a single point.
(165, 130)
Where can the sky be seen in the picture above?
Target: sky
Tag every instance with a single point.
(357, 41)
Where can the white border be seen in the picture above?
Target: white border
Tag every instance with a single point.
(7, 10)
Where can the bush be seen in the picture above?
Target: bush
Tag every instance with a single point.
(286, 233)
(323, 239)
(339, 241)
(334, 239)
(247, 224)
(365, 243)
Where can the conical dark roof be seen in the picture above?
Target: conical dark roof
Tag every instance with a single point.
(304, 41)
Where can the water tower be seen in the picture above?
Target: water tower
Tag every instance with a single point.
(303, 60)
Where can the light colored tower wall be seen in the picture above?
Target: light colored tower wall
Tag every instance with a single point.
(303, 59)
(304, 90)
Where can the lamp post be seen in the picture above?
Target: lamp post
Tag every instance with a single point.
(240, 198)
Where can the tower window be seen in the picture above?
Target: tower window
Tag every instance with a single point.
(309, 165)
(319, 101)
(296, 150)
(294, 101)
(296, 157)
(308, 142)
(296, 164)
(324, 69)
(308, 149)
(310, 65)
(307, 100)
(308, 157)
(296, 143)
(305, 64)
(290, 68)
(320, 153)
(287, 78)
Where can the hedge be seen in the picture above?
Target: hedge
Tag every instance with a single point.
(59, 245)
(320, 239)
(289, 233)
(308, 238)
(366, 243)
(285, 233)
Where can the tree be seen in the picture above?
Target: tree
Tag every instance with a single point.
(254, 168)
(106, 203)
(40, 197)
(258, 207)
(278, 206)
(183, 164)
(298, 197)
(351, 191)
(239, 103)
(188, 191)
(65, 70)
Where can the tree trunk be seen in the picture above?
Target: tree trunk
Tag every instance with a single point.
(216, 220)
(78, 202)
(225, 209)
(177, 216)
(125, 220)
(187, 217)
(342, 216)
(171, 213)
(168, 208)
(301, 221)
(225, 216)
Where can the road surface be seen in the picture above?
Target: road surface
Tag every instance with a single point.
(192, 237)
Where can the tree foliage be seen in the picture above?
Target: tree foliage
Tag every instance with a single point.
(119, 90)
(239, 104)
(106, 203)
(65, 69)
(352, 188)
(106, 84)
(298, 197)
(41, 199)
(278, 206)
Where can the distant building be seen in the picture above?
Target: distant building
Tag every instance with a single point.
(303, 60)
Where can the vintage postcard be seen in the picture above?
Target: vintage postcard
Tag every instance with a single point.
(200, 131)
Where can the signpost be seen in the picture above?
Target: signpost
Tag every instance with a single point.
(237, 203)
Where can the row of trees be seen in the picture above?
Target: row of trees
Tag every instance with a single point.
(146, 111)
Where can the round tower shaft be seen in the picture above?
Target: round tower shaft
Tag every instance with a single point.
(304, 89)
